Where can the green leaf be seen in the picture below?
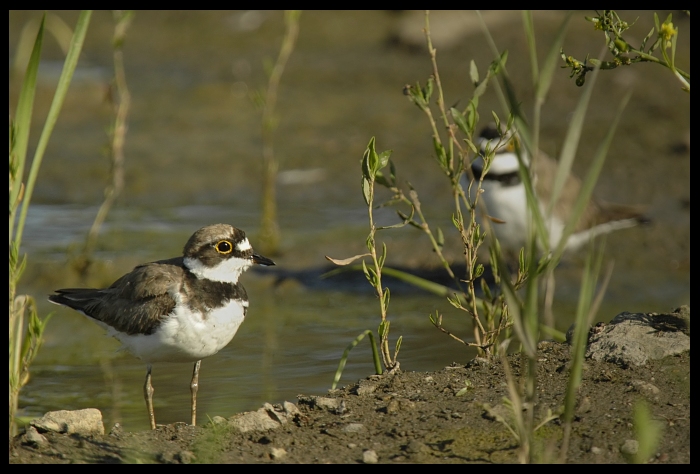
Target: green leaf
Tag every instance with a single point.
(370, 161)
(398, 347)
(440, 152)
(481, 88)
(486, 290)
(472, 116)
(454, 301)
(473, 72)
(499, 63)
(440, 238)
(382, 257)
(496, 120)
(471, 146)
(383, 329)
(383, 159)
(367, 190)
(432, 319)
(460, 120)
(479, 270)
(370, 274)
(428, 90)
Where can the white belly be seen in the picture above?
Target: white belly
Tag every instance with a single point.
(185, 336)
(508, 204)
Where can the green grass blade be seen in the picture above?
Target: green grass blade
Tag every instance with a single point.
(531, 44)
(550, 62)
(573, 136)
(346, 354)
(590, 180)
(64, 81)
(23, 120)
(582, 322)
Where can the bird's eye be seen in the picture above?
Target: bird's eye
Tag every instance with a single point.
(224, 247)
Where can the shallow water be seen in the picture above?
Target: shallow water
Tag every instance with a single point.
(192, 158)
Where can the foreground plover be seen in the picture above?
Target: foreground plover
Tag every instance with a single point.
(182, 309)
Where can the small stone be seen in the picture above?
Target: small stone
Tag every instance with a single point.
(370, 457)
(290, 409)
(330, 404)
(584, 406)
(645, 388)
(366, 389)
(630, 447)
(254, 421)
(217, 420)
(116, 430)
(393, 406)
(414, 446)
(596, 450)
(34, 438)
(354, 428)
(277, 453)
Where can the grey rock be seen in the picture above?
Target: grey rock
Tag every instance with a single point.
(253, 421)
(84, 422)
(634, 338)
(269, 417)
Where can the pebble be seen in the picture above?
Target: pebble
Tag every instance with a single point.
(370, 457)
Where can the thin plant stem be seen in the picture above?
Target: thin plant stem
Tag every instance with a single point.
(119, 129)
(269, 228)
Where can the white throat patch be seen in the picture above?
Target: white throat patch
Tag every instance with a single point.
(227, 271)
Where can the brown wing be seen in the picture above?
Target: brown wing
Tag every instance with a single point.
(136, 303)
(595, 213)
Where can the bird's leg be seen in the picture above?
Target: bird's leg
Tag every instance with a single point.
(194, 386)
(148, 395)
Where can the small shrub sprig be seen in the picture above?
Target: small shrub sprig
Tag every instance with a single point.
(624, 54)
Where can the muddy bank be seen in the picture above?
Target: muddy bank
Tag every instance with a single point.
(448, 416)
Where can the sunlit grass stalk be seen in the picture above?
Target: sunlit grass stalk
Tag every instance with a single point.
(117, 134)
(588, 304)
(23, 346)
(526, 314)
(269, 228)
(346, 354)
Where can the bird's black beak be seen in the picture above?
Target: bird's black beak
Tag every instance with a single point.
(260, 260)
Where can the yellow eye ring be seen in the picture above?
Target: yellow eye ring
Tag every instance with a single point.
(224, 247)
